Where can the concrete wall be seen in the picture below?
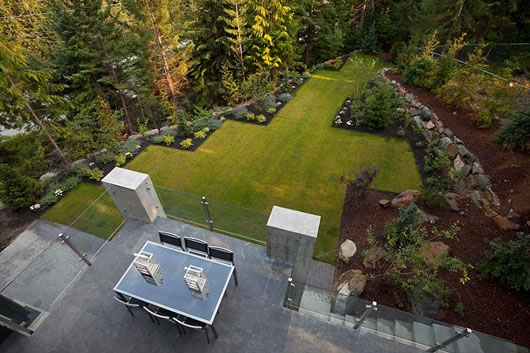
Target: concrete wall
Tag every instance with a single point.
(134, 194)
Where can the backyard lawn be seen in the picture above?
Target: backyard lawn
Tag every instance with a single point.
(295, 162)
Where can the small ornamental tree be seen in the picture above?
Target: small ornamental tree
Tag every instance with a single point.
(516, 133)
(17, 190)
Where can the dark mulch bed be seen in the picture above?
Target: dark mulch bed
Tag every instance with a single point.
(489, 306)
(12, 223)
(509, 171)
(391, 131)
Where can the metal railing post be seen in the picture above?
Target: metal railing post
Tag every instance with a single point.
(207, 212)
(458, 335)
(368, 311)
(66, 240)
(290, 285)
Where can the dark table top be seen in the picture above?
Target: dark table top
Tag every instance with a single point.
(173, 294)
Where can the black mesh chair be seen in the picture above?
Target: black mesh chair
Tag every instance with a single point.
(195, 325)
(131, 304)
(223, 255)
(159, 313)
(196, 246)
(171, 239)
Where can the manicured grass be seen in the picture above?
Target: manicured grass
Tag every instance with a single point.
(295, 162)
(82, 209)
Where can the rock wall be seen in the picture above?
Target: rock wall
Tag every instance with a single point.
(466, 171)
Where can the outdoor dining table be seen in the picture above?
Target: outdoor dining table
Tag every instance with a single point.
(173, 294)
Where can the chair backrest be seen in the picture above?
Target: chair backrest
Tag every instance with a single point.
(183, 323)
(157, 315)
(217, 252)
(170, 238)
(126, 303)
(194, 244)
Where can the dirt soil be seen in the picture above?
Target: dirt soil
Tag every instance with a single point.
(489, 306)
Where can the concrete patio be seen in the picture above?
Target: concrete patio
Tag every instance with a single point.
(251, 318)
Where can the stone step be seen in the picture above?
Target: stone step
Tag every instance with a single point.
(423, 334)
(442, 333)
(403, 330)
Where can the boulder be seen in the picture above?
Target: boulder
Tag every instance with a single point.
(372, 256)
(439, 126)
(424, 217)
(449, 133)
(429, 125)
(425, 114)
(505, 224)
(351, 282)
(417, 119)
(164, 128)
(405, 198)
(413, 111)
(384, 203)
(408, 97)
(460, 186)
(134, 137)
(433, 251)
(471, 183)
(151, 132)
(452, 151)
(47, 176)
(477, 168)
(481, 180)
(445, 142)
(458, 163)
(401, 110)
(452, 201)
(172, 127)
(458, 141)
(347, 250)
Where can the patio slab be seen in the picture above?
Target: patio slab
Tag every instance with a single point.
(251, 317)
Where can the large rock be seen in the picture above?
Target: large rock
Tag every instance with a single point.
(352, 282)
(424, 217)
(372, 256)
(452, 151)
(405, 198)
(384, 203)
(433, 251)
(445, 142)
(347, 250)
(48, 176)
(429, 125)
(452, 201)
(448, 132)
(481, 181)
(477, 168)
(134, 137)
(151, 132)
(505, 224)
(425, 114)
(458, 163)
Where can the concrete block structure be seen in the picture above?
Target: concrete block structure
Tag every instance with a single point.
(291, 238)
(134, 194)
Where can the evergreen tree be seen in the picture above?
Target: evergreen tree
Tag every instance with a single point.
(369, 42)
(27, 98)
(237, 31)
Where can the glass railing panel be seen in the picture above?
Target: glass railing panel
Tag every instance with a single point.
(181, 205)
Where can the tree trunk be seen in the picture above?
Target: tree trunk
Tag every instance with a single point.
(165, 64)
(240, 42)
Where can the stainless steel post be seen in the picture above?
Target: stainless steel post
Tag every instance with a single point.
(66, 240)
(290, 285)
(368, 311)
(207, 212)
(458, 335)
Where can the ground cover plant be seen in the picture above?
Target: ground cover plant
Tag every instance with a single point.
(295, 162)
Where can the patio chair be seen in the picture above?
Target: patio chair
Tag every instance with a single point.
(159, 313)
(132, 303)
(223, 255)
(196, 246)
(195, 325)
(171, 239)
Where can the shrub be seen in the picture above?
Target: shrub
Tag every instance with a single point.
(213, 124)
(285, 97)
(361, 180)
(169, 140)
(270, 102)
(105, 157)
(202, 113)
(420, 72)
(516, 133)
(230, 89)
(306, 75)
(271, 110)
(369, 41)
(47, 200)
(261, 118)
(17, 190)
(143, 127)
(158, 139)
(120, 160)
(186, 144)
(239, 112)
(250, 116)
(435, 159)
(183, 129)
(405, 263)
(257, 87)
(379, 106)
(401, 132)
(199, 135)
(129, 147)
(333, 64)
(509, 262)
(91, 173)
(433, 191)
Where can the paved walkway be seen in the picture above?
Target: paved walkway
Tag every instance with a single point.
(252, 319)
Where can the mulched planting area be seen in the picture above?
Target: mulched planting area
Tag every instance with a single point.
(509, 171)
(12, 223)
(489, 306)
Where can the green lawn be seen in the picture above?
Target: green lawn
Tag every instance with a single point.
(295, 162)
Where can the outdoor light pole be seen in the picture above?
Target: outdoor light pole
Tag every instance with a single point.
(207, 213)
